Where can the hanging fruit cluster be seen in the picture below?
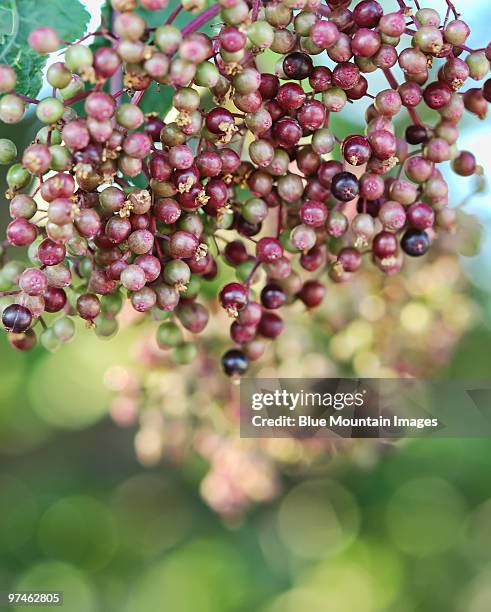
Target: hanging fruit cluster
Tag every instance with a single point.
(116, 204)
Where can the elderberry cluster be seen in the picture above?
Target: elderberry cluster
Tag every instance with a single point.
(244, 170)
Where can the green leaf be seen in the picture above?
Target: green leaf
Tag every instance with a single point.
(18, 18)
(157, 99)
(154, 19)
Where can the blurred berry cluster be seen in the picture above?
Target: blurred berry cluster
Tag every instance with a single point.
(407, 325)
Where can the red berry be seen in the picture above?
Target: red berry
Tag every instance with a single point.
(312, 293)
(234, 296)
(384, 245)
(268, 250)
(271, 325)
(437, 95)
(356, 150)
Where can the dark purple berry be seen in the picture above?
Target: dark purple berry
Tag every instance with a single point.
(350, 258)
(235, 363)
(272, 296)
(16, 318)
(297, 66)
(415, 242)
(416, 134)
(344, 186)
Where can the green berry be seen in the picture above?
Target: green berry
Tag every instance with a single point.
(61, 158)
(64, 329)
(286, 241)
(255, 210)
(58, 75)
(75, 87)
(260, 34)
(105, 328)
(12, 109)
(111, 304)
(50, 340)
(8, 151)
(184, 353)
(17, 176)
(177, 272)
(129, 116)
(78, 58)
(243, 270)
(50, 110)
(193, 287)
(168, 335)
(44, 134)
(479, 65)
(168, 38)
(206, 75)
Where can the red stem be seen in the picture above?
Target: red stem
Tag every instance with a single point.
(137, 98)
(174, 14)
(279, 226)
(80, 96)
(157, 245)
(27, 99)
(89, 35)
(200, 20)
(452, 8)
(466, 48)
(255, 9)
(391, 78)
(414, 115)
(249, 278)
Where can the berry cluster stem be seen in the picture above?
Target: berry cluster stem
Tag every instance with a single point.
(255, 9)
(201, 20)
(250, 276)
(27, 99)
(6, 293)
(174, 14)
(451, 6)
(81, 96)
(138, 97)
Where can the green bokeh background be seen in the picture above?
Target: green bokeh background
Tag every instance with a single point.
(408, 533)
